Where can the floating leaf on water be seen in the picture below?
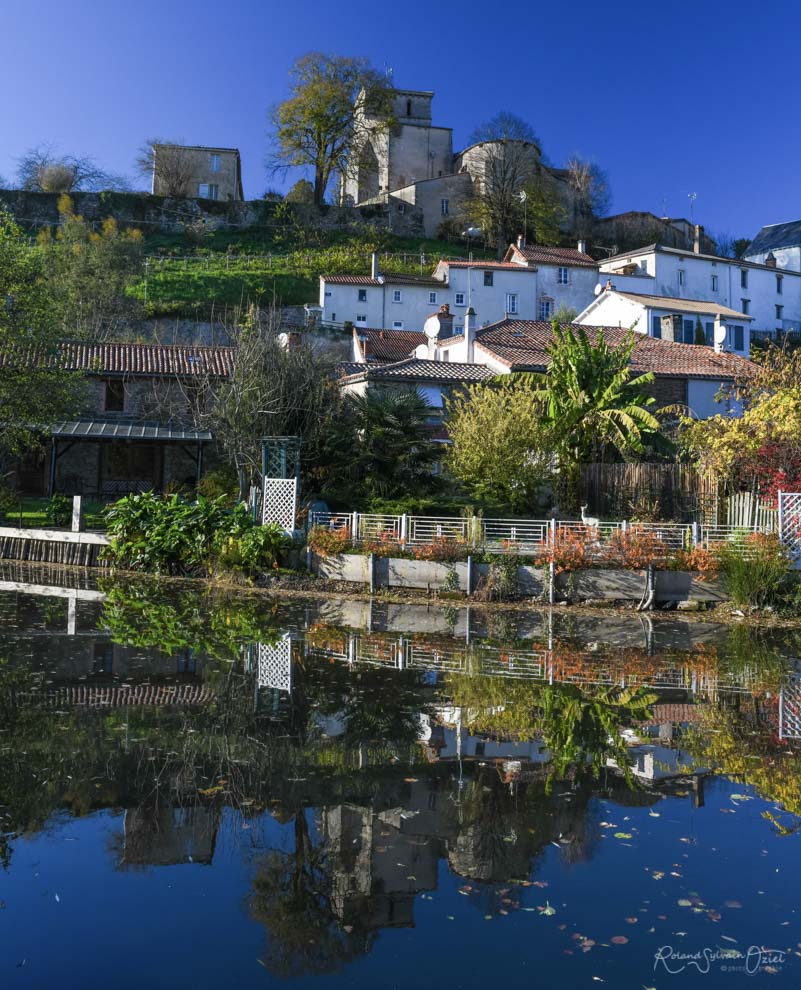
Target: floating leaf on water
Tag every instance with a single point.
(618, 940)
(683, 902)
(622, 835)
(732, 904)
(632, 921)
(657, 875)
(547, 910)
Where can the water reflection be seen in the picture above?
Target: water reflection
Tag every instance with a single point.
(352, 752)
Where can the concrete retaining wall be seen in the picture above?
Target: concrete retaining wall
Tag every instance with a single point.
(587, 585)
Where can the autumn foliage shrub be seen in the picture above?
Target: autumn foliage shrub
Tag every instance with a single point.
(442, 549)
(634, 549)
(330, 542)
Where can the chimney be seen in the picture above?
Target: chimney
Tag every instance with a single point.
(609, 287)
(520, 242)
(470, 334)
(770, 261)
(582, 245)
(698, 233)
(673, 328)
(374, 265)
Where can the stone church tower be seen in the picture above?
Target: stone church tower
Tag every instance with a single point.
(411, 150)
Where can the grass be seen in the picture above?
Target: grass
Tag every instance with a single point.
(235, 269)
(30, 512)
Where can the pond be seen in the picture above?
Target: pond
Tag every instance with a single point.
(202, 788)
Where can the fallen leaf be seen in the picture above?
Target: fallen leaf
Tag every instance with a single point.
(618, 940)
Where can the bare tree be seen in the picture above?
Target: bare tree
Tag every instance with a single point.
(168, 165)
(591, 193)
(41, 169)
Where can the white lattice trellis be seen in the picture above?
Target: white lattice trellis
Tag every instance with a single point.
(275, 665)
(790, 523)
(790, 709)
(280, 502)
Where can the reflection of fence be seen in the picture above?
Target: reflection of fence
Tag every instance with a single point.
(692, 674)
(522, 535)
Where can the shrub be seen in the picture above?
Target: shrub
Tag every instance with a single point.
(635, 549)
(699, 559)
(221, 482)
(172, 535)
(500, 584)
(58, 511)
(329, 542)
(442, 549)
(568, 552)
(756, 570)
(383, 545)
(8, 502)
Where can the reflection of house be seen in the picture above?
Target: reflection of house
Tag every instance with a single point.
(165, 835)
(133, 435)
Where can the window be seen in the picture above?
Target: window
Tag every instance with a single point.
(546, 309)
(779, 280)
(333, 317)
(103, 659)
(444, 207)
(362, 295)
(208, 190)
(114, 400)
(689, 331)
(656, 327)
(432, 299)
(401, 207)
(644, 266)
(361, 319)
(709, 333)
(186, 662)
(511, 303)
(714, 283)
(458, 299)
(397, 295)
(488, 278)
(739, 338)
(397, 324)
(681, 276)
(743, 278)
(563, 276)
(779, 312)
(745, 305)
(214, 163)
(445, 356)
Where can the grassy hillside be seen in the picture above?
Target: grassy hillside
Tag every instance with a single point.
(233, 269)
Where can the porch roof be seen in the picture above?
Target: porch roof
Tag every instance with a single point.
(104, 429)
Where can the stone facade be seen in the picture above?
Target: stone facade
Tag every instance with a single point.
(206, 173)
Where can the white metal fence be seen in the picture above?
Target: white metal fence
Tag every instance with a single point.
(522, 535)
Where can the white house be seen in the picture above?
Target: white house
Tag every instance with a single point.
(530, 283)
(779, 243)
(670, 318)
(771, 297)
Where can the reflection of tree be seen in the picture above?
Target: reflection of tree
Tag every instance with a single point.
(292, 898)
(732, 744)
(579, 724)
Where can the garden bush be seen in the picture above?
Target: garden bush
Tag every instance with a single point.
(58, 511)
(173, 535)
(756, 570)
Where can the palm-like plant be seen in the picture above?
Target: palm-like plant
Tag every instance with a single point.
(592, 400)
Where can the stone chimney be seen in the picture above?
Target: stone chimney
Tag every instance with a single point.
(770, 261)
(437, 327)
(520, 241)
(582, 245)
(609, 287)
(374, 265)
(470, 334)
(698, 235)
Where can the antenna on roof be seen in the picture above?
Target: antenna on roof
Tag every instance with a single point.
(692, 198)
(388, 71)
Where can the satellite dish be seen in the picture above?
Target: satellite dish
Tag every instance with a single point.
(598, 289)
(720, 333)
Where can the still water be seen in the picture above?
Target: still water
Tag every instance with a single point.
(201, 789)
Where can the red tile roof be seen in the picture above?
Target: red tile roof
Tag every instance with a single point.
(389, 345)
(420, 370)
(540, 254)
(134, 359)
(509, 266)
(386, 278)
(521, 345)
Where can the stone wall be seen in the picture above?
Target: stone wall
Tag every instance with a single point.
(170, 215)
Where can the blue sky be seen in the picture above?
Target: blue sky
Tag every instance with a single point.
(669, 98)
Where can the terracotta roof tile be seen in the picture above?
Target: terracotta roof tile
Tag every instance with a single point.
(389, 345)
(540, 254)
(389, 278)
(147, 359)
(418, 369)
(521, 345)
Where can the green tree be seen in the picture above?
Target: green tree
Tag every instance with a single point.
(700, 335)
(500, 445)
(385, 449)
(335, 103)
(34, 389)
(88, 272)
(301, 192)
(592, 402)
